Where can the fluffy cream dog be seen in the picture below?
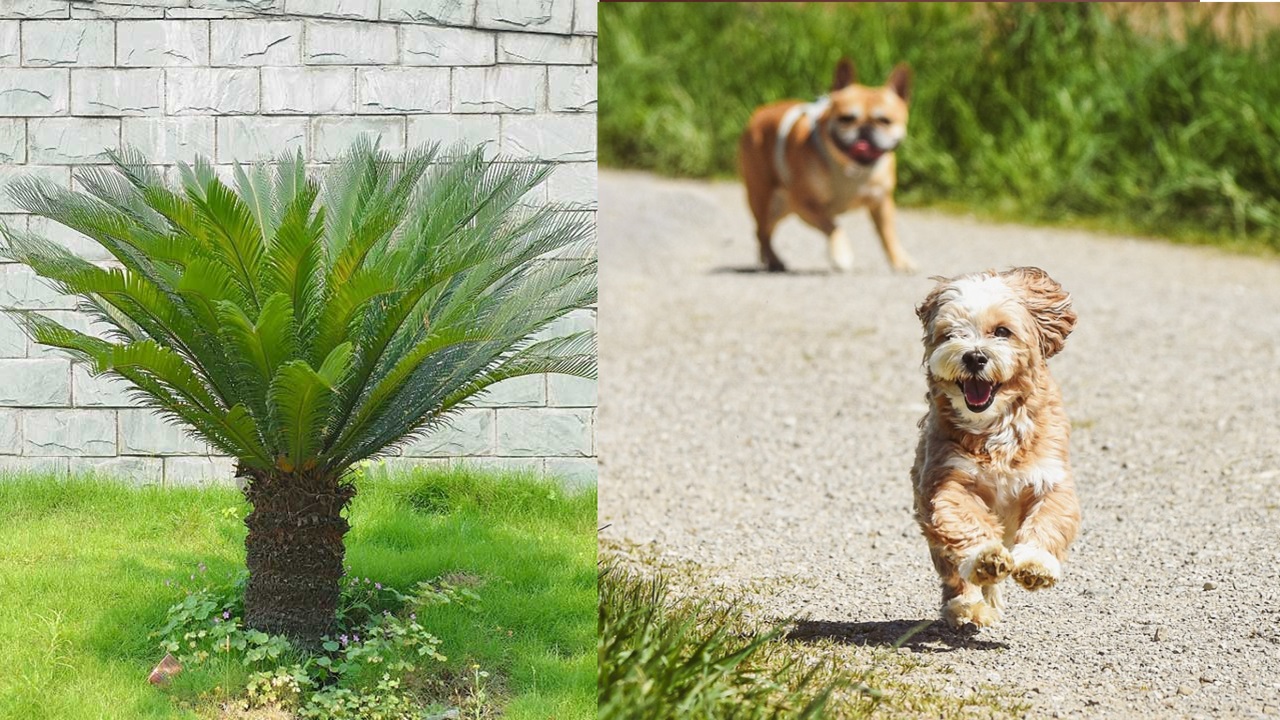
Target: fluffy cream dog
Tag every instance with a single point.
(993, 489)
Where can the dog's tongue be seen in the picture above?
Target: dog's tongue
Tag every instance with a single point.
(862, 149)
(976, 392)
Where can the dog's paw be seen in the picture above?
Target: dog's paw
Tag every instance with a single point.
(959, 612)
(903, 264)
(988, 565)
(1035, 569)
(841, 256)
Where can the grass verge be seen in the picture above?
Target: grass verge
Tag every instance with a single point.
(1154, 123)
(83, 565)
(673, 643)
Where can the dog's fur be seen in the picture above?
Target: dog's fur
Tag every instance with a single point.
(824, 158)
(993, 488)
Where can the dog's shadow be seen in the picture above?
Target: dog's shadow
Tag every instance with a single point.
(924, 636)
(759, 270)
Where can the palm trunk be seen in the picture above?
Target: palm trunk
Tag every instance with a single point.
(294, 551)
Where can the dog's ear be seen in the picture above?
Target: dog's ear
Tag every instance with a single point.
(900, 81)
(1048, 303)
(928, 309)
(846, 74)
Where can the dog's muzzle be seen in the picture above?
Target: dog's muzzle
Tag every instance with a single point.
(863, 150)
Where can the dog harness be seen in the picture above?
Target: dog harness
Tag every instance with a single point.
(808, 110)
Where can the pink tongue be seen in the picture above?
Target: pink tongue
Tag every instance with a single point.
(861, 146)
(977, 392)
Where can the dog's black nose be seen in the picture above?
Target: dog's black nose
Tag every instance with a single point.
(974, 361)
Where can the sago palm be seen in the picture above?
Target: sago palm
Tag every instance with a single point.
(302, 326)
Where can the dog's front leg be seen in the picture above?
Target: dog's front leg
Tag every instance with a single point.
(957, 522)
(839, 251)
(1050, 522)
(883, 214)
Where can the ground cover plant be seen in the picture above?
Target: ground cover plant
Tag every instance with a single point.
(302, 325)
(501, 568)
(1156, 121)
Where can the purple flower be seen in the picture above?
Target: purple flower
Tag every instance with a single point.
(413, 616)
(366, 581)
(201, 567)
(217, 620)
(226, 614)
(343, 639)
(355, 638)
(377, 586)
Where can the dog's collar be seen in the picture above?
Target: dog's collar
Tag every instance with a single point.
(812, 111)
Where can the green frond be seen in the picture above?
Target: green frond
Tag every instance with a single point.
(301, 400)
(235, 237)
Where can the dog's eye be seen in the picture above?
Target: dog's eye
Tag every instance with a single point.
(1003, 332)
(883, 120)
(848, 119)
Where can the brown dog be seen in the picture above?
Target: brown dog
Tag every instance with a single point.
(824, 158)
(993, 488)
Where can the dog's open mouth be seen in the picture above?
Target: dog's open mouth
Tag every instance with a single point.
(978, 393)
(863, 151)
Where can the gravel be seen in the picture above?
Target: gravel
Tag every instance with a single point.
(764, 425)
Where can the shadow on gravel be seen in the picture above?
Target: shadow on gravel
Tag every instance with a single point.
(757, 270)
(933, 638)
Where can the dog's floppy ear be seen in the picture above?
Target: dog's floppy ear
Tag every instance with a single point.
(900, 81)
(928, 309)
(1048, 303)
(846, 74)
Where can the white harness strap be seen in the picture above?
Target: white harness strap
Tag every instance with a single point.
(811, 111)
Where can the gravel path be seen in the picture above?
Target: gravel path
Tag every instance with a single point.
(765, 424)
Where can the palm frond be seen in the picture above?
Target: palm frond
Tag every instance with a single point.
(300, 323)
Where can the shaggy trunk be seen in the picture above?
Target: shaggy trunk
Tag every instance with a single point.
(294, 553)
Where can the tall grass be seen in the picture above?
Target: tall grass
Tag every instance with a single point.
(660, 659)
(1157, 122)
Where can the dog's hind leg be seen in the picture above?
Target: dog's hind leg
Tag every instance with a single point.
(769, 206)
(964, 603)
(883, 215)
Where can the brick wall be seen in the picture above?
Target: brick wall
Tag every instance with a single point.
(243, 80)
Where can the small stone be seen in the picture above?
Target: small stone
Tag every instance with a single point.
(1210, 586)
(1185, 690)
(1159, 634)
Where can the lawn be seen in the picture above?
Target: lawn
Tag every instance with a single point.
(88, 569)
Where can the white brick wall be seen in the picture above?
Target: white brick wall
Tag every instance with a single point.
(243, 80)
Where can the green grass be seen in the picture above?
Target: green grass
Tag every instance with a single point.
(1057, 113)
(83, 566)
